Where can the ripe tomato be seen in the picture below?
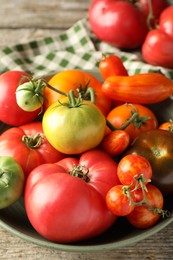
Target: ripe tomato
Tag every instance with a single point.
(131, 167)
(28, 146)
(156, 146)
(167, 126)
(73, 128)
(143, 217)
(157, 8)
(166, 21)
(12, 181)
(65, 202)
(115, 142)
(145, 120)
(76, 79)
(118, 202)
(112, 65)
(11, 113)
(119, 23)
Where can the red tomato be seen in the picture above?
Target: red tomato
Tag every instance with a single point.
(28, 145)
(157, 7)
(118, 23)
(11, 113)
(157, 49)
(166, 21)
(112, 65)
(142, 216)
(76, 79)
(131, 167)
(65, 202)
(115, 142)
(118, 202)
(145, 120)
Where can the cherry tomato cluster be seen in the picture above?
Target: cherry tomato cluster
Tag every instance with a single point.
(70, 129)
(140, 24)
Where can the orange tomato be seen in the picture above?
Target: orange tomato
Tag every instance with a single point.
(74, 79)
(143, 119)
(167, 126)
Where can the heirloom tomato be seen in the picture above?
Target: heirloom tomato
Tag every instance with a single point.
(79, 80)
(12, 181)
(156, 146)
(74, 127)
(11, 113)
(28, 146)
(133, 118)
(65, 201)
(145, 216)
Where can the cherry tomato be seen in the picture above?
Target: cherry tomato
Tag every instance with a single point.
(131, 167)
(115, 142)
(112, 65)
(145, 120)
(118, 202)
(167, 126)
(142, 216)
(166, 21)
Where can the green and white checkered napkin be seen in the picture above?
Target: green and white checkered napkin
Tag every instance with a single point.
(76, 48)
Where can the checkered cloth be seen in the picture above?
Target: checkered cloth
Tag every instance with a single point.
(76, 48)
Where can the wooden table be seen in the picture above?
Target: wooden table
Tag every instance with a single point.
(22, 21)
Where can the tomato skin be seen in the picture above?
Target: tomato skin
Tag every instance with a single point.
(12, 181)
(157, 49)
(11, 144)
(112, 65)
(144, 88)
(156, 146)
(131, 166)
(166, 21)
(117, 202)
(115, 142)
(118, 23)
(11, 113)
(73, 130)
(71, 80)
(142, 217)
(120, 114)
(62, 219)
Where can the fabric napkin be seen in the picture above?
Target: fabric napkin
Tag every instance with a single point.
(75, 48)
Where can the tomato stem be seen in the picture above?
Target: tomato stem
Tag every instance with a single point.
(33, 142)
(80, 172)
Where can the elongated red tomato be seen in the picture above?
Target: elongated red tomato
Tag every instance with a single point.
(146, 88)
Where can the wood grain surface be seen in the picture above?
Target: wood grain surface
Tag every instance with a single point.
(22, 21)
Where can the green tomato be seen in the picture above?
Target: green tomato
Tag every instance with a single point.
(73, 129)
(11, 181)
(30, 95)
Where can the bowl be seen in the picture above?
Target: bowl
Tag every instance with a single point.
(14, 218)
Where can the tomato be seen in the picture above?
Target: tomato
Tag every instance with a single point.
(156, 147)
(119, 23)
(157, 49)
(157, 7)
(12, 181)
(76, 79)
(166, 21)
(144, 88)
(143, 120)
(118, 202)
(11, 113)
(73, 127)
(65, 202)
(167, 126)
(142, 216)
(111, 65)
(115, 142)
(28, 146)
(132, 167)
